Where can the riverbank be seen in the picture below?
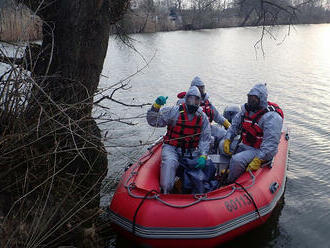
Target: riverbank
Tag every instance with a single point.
(158, 18)
(20, 24)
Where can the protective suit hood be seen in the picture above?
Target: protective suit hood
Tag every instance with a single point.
(261, 92)
(206, 97)
(192, 99)
(197, 82)
(230, 112)
(193, 91)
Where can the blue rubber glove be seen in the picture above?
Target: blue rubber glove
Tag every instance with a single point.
(161, 100)
(201, 162)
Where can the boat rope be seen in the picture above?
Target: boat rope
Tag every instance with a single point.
(138, 208)
(130, 186)
(250, 197)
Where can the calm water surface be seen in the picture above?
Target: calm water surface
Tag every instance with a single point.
(296, 67)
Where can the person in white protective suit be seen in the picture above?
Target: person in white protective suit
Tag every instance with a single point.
(260, 123)
(188, 132)
(230, 111)
(208, 108)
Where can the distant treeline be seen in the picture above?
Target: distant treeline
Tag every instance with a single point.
(17, 23)
(168, 15)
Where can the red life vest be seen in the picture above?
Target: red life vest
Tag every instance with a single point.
(181, 94)
(185, 133)
(206, 106)
(252, 133)
(207, 109)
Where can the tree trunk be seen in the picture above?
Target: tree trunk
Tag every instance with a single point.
(58, 144)
(75, 41)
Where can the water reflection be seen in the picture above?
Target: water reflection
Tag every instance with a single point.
(265, 235)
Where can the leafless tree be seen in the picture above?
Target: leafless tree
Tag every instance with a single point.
(51, 151)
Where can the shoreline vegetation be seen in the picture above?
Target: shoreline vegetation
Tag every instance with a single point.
(19, 24)
(147, 17)
(52, 154)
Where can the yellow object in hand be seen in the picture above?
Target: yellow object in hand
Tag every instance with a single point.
(160, 101)
(226, 124)
(226, 146)
(254, 164)
(157, 106)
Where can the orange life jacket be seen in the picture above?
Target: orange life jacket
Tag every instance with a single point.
(185, 133)
(252, 133)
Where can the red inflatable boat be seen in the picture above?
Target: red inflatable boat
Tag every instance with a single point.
(140, 213)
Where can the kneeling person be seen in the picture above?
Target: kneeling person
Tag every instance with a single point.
(188, 130)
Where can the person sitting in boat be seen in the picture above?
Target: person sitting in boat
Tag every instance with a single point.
(230, 111)
(188, 132)
(212, 113)
(260, 124)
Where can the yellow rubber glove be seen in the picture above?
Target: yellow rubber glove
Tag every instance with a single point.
(226, 146)
(226, 124)
(254, 164)
(156, 106)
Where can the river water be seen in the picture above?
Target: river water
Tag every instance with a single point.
(295, 64)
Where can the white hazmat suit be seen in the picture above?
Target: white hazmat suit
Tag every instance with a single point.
(271, 123)
(168, 116)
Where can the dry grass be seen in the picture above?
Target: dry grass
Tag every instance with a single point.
(52, 166)
(19, 25)
(52, 161)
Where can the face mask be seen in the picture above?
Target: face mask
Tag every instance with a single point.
(252, 107)
(192, 108)
(253, 103)
(192, 100)
(230, 115)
